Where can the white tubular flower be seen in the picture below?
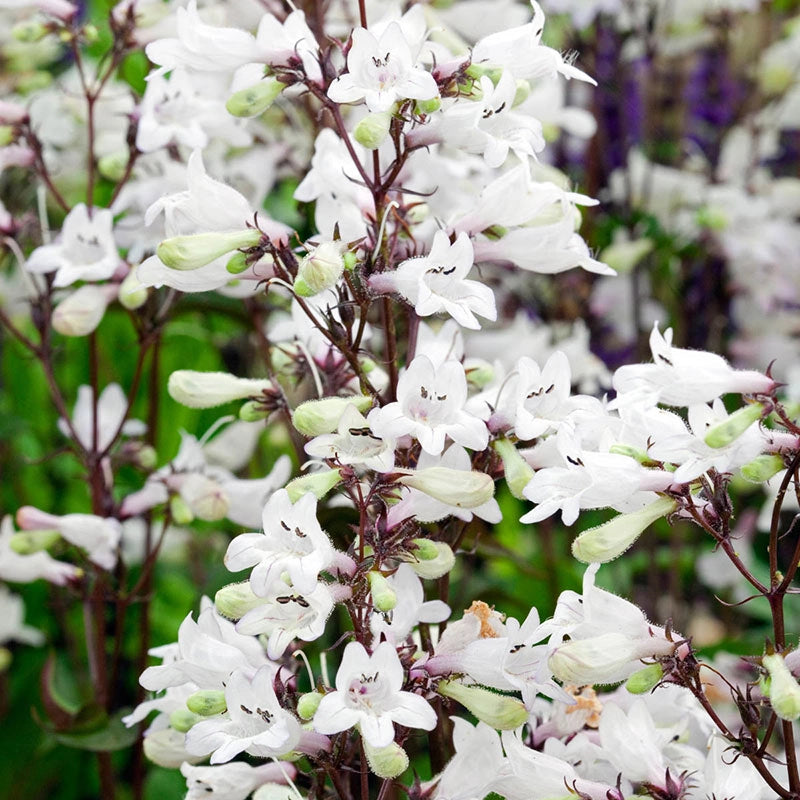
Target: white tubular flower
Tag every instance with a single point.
(542, 397)
(280, 43)
(27, 568)
(436, 283)
(81, 312)
(210, 389)
(381, 72)
(430, 407)
(686, 377)
(12, 627)
(233, 781)
(256, 723)
(368, 694)
(292, 542)
(85, 250)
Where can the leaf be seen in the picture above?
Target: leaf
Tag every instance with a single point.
(60, 694)
(113, 735)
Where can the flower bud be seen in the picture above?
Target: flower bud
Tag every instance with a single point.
(478, 71)
(384, 598)
(254, 411)
(182, 720)
(165, 747)
(132, 294)
(427, 106)
(499, 711)
(729, 430)
(426, 550)
(81, 312)
(256, 99)
(27, 542)
(113, 165)
(623, 256)
(454, 487)
(207, 702)
(7, 135)
(191, 252)
(307, 704)
(237, 263)
(144, 456)
(315, 417)
(479, 373)
(644, 680)
(318, 483)
(631, 452)
(320, 269)
(386, 762)
(522, 93)
(179, 510)
(783, 690)
(518, 472)
(205, 497)
(236, 599)
(432, 568)
(373, 129)
(210, 389)
(762, 468)
(611, 539)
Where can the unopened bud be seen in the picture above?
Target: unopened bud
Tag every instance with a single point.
(145, 456)
(207, 702)
(783, 690)
(237, 263)
(318, 483)
(386, 762)
(384, 598)
(762, 468)
(27, 542)
(499, 711)
(7, 135)
(132, 294)
(729, 430)
(192, 252)
(453, 487)
(433, 568)
(81, 312)
(613, 538)
(236, 599)
(522, 93)
(320, 269)
(631, 452)
(256, 99)
(428, 106)
(518, 472)
(373, 129)
(624, 256)
(205, 497)
(315, 417)
(210, 389)
(478, 71)
(30, 31)
(183, 720)
(479, 372)
(179, 511)
(254, 411)
(307, 704)
(425, 549)
(644, 680)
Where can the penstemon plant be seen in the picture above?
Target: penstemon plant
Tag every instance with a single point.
(365, 193)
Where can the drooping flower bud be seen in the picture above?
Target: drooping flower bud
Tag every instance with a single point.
(179, 510)
(426, 550)
(518, 472)
(384, 598)
(454, 487)
(386, 762)
(27, 542)
(762, 468)
(256, 99)
(210, 389)
(320, 269)
(183, 720)
(433, 568)
(318, 483)
(236, 599)
(254, 411)
(373, 129)
(82, 311)
(199, 249)
(315, 417)
(499, 711)
(205, 497)
(782, 688)
(112, 166)
(207, 702)
(132, 294)
(729, 430)
(307, 704)
(645, 679)
(611, 539)
(237, 263)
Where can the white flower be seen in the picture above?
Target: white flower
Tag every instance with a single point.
(12, 627)
(233, 781)
(292, 542)
(85, 250)
(368, 694)
(430, 407)
(437, 283)
(26, 568)
(280, 44)
(542, 396)
(256, 722)
(381, 72)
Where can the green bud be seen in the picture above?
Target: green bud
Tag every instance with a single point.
(207, 702)
(315, 417)
(386, 762)
(209, 389)
(30, 31)
(5, 659)
(146, 456)
(237, 263)
(631, 452)
(762, 468)
(518, 472)
(192, 252)
(182, 720)
(426, 550)
(27, 542)
(478, 71)
(350, 261)
(783, 689)
(318, 483)
(373, 129)
(623, 256)
(179, 510)
(612, 538)
(479, 372)
(522, 93)
(90, 33)
(236, 599)
(433, 568)
(499, 711)
(713, 217)
(6, 135)
(256, 99)
(384, 598)
(427, 106)
(644, 680)
(454, 487)
(132, 294)
(320, 269)
(729, 430)
(253, 411)
(307, 704)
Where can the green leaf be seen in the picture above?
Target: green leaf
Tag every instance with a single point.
(113, 735)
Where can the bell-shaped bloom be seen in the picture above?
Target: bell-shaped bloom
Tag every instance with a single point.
(381, 71)
(255, 722)
(84, 251)
(369, 694)
(292, 541)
